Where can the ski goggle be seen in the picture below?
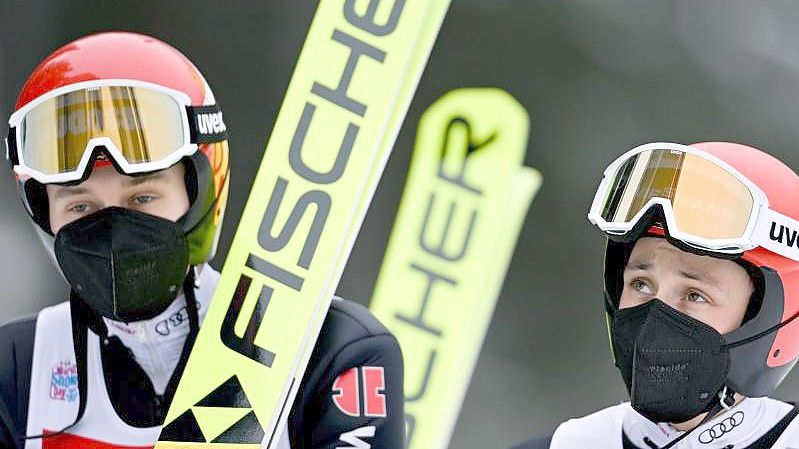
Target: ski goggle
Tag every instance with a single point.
(142, 126)
(707, 204)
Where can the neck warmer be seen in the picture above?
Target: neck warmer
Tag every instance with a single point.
(156, 344)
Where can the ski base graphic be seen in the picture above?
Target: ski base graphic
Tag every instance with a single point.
(464, 203)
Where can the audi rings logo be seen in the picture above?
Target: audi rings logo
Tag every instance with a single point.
(721, 427)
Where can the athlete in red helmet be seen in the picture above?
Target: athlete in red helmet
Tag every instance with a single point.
(701, 295)
(121, 157)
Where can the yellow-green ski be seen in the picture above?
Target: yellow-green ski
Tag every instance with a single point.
(354, 79)
(465, 199)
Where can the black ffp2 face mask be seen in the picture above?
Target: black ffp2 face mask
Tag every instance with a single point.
(673, 365)
(124, 264)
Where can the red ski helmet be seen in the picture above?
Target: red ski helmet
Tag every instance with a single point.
(125, 64)
(766, 346)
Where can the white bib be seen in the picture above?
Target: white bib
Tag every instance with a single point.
(599, 429)
(740, 426)
(54, 394)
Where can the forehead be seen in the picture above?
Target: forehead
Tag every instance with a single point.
(658, 254)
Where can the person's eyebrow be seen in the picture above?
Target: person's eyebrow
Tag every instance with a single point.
(701, 276)
(152, 177)
(69, 191)
(638, 265)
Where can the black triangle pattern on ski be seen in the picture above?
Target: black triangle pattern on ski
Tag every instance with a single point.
(246, 431)
(228, 395)
(184, 429)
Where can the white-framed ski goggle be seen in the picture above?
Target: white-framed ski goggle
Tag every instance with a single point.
(707, 204)
(142, 126)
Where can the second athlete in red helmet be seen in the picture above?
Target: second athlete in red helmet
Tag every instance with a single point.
(120, 153)
(701, 297)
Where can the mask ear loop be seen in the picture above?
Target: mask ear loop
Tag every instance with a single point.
(726, 394)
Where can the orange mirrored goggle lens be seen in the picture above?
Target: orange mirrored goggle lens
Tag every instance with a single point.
(145, 125)
(707, 200)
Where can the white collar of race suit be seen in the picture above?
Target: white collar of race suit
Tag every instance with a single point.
(157, 343)
(740, 426)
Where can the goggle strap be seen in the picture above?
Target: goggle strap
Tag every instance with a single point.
(777, 233)
(11, 147)
(206, 124)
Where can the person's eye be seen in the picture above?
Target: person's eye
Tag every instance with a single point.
(641, 286)
(696, 297)
(81, 208)
(142, 199)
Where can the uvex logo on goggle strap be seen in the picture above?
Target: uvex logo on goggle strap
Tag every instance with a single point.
(207, 124)
(784, 235)
(211, 123)
(720, 428)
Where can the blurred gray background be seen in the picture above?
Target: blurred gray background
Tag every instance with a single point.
(598, 77)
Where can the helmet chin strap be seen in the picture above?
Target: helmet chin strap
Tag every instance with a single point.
(189, 284)
(726, 401)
